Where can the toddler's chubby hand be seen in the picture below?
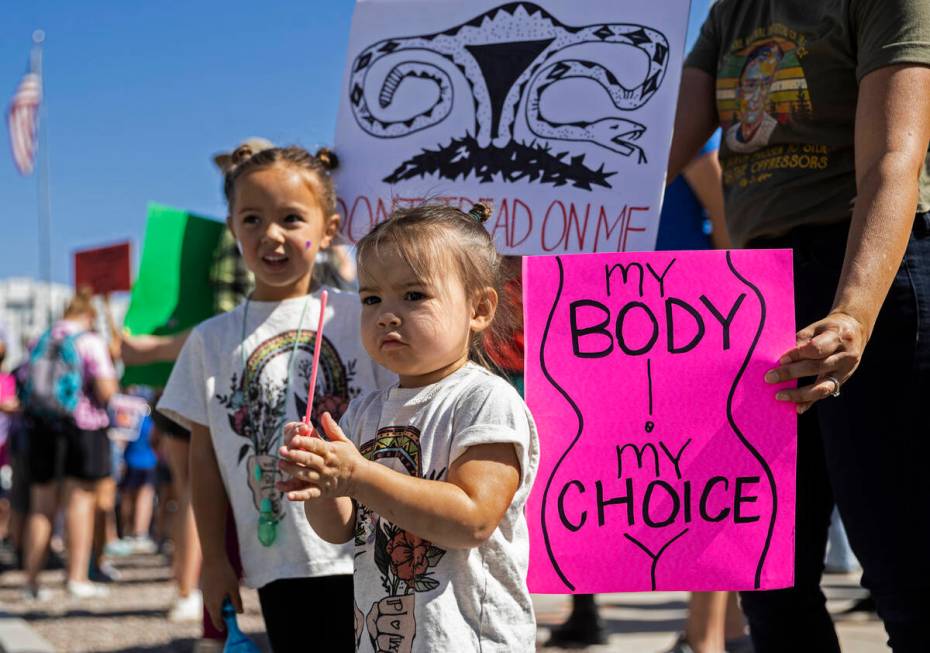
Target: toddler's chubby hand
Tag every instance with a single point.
(317, 468)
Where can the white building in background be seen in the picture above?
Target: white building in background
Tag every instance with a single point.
(24, 310)
(25, 307)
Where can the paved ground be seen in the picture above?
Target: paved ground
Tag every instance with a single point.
(649, 623)
(132, 619)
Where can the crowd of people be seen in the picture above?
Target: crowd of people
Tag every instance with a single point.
(394, 514)
(108, 473)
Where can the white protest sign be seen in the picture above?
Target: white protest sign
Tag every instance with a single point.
(559, 112)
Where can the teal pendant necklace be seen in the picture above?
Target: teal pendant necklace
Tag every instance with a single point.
(267, 520)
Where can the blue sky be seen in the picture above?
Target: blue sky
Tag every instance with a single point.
(141, 94)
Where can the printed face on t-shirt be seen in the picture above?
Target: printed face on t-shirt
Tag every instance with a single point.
(754, 87)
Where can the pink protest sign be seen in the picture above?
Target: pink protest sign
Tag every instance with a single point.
(666, 462)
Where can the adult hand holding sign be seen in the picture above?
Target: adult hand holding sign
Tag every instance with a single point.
(829, 351)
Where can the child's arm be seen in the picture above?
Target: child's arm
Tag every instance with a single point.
(209, 500)
(459, 513)
(332, 519)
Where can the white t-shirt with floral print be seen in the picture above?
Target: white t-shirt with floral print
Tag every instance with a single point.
(411, 595)
(241, 391)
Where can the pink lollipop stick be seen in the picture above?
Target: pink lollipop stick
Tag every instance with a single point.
(316, 358)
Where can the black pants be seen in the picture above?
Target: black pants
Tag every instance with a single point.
(867, 450)
(310, 614)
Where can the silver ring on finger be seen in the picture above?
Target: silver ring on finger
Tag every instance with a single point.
(836, 385)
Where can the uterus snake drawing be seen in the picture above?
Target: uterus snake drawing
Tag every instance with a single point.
(509, 56)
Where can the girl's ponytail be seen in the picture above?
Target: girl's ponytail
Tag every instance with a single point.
(480, 212)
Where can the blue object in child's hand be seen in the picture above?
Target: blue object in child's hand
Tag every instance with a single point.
(236, 641)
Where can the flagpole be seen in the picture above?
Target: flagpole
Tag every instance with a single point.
(44, 207)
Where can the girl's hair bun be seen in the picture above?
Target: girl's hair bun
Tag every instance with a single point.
(327, 158)
(242, 154)
(480, 212)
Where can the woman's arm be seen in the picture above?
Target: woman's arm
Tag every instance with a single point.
(459, 513)
(706, 181)
(695, 119)
(892, 132)
(209, 500)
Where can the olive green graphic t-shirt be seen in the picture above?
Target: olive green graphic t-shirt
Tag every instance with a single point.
(787, 80)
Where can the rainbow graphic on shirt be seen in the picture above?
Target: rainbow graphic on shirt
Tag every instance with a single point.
(258, 406)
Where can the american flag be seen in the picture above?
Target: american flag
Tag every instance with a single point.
(22, 119)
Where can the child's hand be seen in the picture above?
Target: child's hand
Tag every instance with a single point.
(292, 486)
(217, 581)
(318, 468)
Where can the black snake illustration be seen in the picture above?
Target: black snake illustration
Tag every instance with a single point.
(509, 56)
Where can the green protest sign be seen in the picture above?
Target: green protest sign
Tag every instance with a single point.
(172, 291)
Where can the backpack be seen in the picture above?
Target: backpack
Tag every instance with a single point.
(55, 379)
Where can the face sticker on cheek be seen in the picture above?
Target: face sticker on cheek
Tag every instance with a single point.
(308, 244)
